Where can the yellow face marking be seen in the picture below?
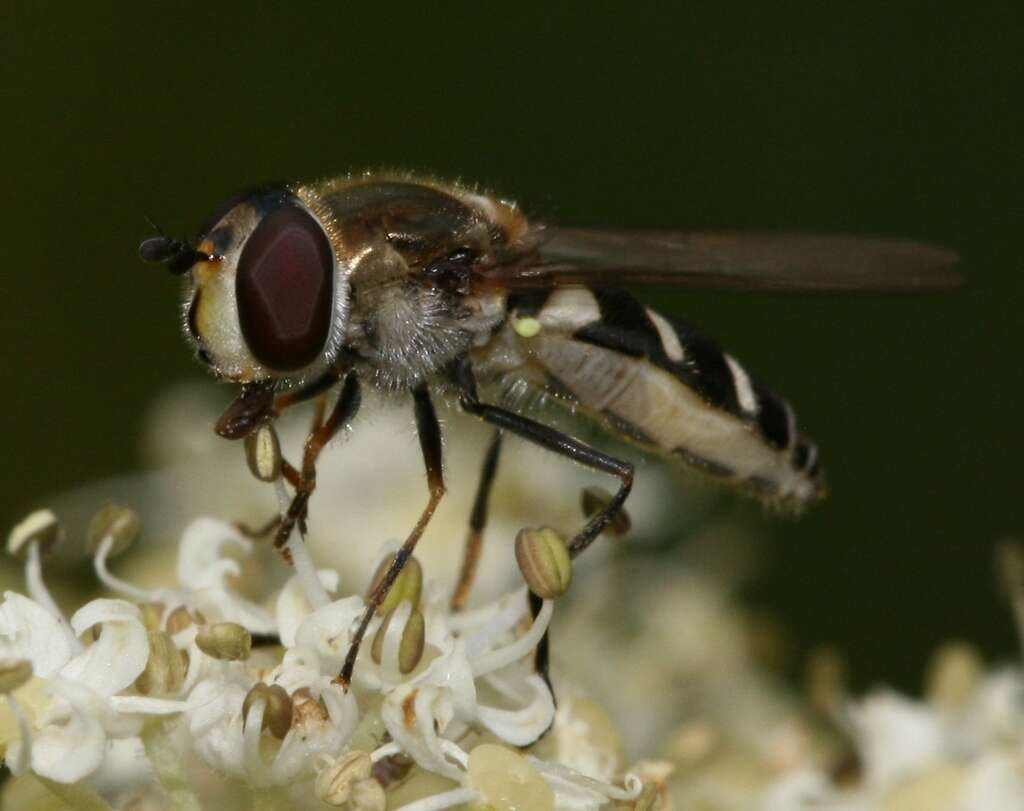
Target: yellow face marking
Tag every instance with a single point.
(526, 327)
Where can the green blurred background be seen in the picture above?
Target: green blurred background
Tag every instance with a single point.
(899, 119)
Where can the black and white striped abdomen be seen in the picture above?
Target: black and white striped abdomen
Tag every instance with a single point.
(662, 384)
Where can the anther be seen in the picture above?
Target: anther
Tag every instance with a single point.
(224, 640)
(277, 708)
(543, 558)
(40, 527)
(121, 524)
(407, 586)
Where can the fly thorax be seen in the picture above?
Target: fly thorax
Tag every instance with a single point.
(406, 330)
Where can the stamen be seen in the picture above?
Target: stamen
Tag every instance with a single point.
(446, 799)
(559, 774)
(37, 591)
(502, 657)
(387, 750)
(314, 590)
(115, 584)
(251, 731)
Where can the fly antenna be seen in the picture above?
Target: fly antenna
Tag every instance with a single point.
(177, 254)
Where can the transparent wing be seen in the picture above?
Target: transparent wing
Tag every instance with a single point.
(771, 262)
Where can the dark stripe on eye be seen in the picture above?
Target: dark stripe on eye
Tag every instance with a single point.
(771, 417)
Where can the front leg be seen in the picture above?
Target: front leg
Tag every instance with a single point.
(429, 430)
(322, 432)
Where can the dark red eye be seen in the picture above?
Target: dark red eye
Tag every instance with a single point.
(284, 287)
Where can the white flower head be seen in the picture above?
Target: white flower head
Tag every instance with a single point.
(276, 717)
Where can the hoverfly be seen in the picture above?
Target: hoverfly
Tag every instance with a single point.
(409, 284)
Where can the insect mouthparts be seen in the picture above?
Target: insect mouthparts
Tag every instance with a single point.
(178, 254)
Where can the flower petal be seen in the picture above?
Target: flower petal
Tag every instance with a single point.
(522, 727)
(116, 659)
(414, 718)
(71, 746)
(29, 631)
(327, 631)
(293, 607)
(200, 562)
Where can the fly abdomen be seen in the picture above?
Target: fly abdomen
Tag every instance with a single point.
(665, 386)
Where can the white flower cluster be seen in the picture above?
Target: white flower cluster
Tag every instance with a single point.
(165, 689)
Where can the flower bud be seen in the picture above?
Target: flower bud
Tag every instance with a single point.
(13, 674)
(40, 527)
(165, 671)
(544, 561)
(263, 453)
(410, 648)
(507, 780)
(277, 708)
(334, 784)
(595, 499)
(407, 586)
(114, 521)
(224, 640)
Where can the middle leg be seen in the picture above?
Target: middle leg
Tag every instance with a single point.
(429, 430)
(477, 523)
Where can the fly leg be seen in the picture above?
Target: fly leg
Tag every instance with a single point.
(429, 430)
(304, 480)
(477, 523)
(563, 445)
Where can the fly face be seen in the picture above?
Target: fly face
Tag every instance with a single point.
(264, 301)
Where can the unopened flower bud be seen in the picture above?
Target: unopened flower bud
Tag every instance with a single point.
(263, 453)
(113, 521)
(507, 780)
(165, 671)
(410, 648)
(544, 561)
(277, 708)
(334, 784)
(595, 499)
(13, 674)
(407, 586)
(224, 640)
(41, 527)
(368, 795)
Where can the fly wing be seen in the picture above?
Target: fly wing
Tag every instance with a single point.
(770, 262)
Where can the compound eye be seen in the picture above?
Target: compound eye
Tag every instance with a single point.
(284, 287)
